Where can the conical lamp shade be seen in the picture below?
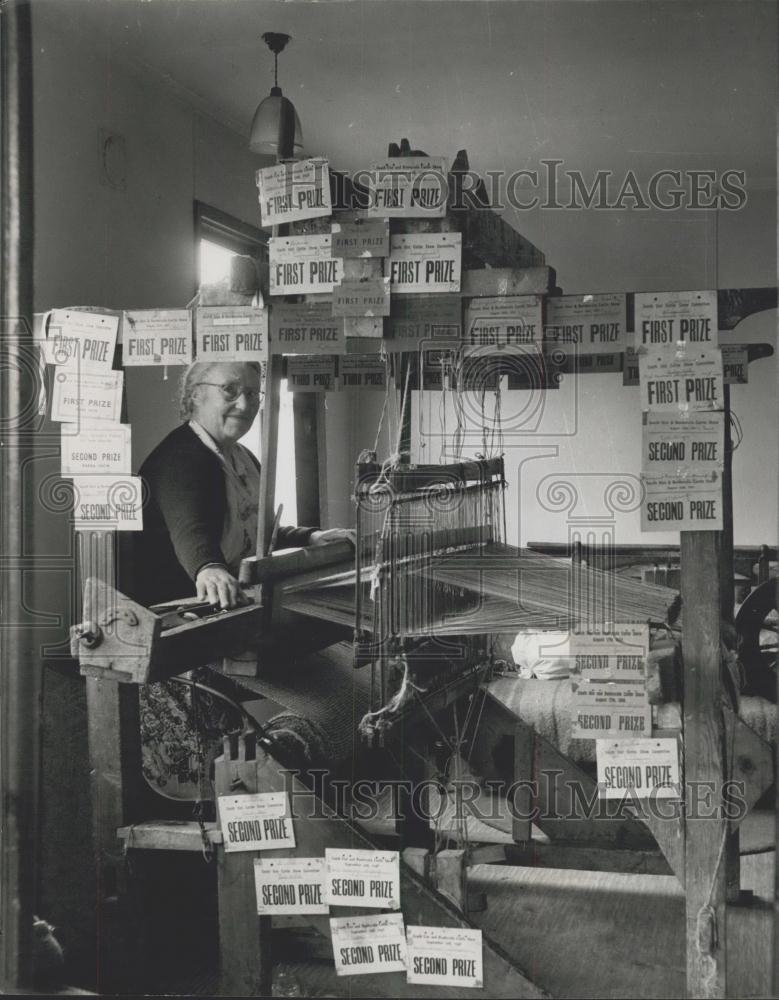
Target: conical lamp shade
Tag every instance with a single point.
(276, 128)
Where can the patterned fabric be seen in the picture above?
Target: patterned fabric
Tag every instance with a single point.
(180, 726)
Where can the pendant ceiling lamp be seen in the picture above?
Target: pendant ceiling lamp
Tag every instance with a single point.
(276, 127)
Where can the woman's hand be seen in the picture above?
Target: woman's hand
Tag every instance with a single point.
(218, 586)
(320, 537)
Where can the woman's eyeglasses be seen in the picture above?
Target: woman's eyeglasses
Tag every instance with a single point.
(232, 390)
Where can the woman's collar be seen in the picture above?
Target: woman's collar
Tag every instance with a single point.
(206, 438)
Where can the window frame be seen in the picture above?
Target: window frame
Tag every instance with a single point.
(219, 227)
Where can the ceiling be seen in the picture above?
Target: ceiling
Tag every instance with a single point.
(600, 85)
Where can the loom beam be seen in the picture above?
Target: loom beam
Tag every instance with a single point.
(122, 641)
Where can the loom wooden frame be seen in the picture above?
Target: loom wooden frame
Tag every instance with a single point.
(118, 793)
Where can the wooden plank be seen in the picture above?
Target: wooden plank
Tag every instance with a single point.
(557, 854)
(705, 835)
(753, 761)
(735, 304)
(245, 961)
(487, 237)
(168, 835)
(449, 877)
(507, 281)
(289, 563)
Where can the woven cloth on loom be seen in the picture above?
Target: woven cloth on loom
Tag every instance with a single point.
(501, 588)
(324, 688)
(547, 706)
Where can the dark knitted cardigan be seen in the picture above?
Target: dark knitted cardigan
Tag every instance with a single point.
(183, 518)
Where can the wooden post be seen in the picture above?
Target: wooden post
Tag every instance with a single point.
(704, 767)
(726, 582)
(118, 790)
(305, 419)
(20, 646)
(776, 837)
(245, 961)
(524, 770)
(727, 611)
(270, 439)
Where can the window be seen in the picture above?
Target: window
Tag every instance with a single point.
(220, 237)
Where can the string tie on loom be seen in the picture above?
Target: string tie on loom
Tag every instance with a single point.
(372, 720)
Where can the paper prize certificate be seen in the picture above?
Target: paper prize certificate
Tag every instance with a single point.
(415, 320)
(610, 708)
(85, 340)
(683, 442)
(613, 652)
(688, 501)
(353, 297)
(630, 367)
(445, 956)
(644, 768)
(408, 187)
(231, 333)
(257, 822)
(95, 449)
(503, 320)
(311, 374)
(735, 364)
(681, 378)
(667, 317)
(596, 323)
(361, 238)
(300, 265)
(362, 371)
(107, 503)
(425, 262)
(290, 192)
(157, 337)
(306, 328)
(363, 878)
(368, 944)
(86, 395)
(290, 885)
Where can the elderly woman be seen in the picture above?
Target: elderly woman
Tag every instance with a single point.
(203, 486)
(200, 520)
